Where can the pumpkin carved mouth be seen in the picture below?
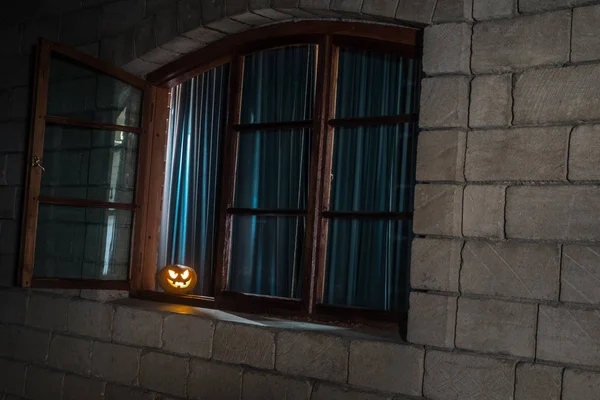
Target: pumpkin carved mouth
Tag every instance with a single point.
(181, 285)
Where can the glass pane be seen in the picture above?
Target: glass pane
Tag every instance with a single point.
(190, 212)
(89, 164)
(79, 92)
(372, 84)
(273, 169)
(368, 263)
(267, 255)
(279, 85)
(82, 243)
(373, 168)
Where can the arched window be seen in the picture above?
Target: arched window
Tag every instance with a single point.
(284, 176)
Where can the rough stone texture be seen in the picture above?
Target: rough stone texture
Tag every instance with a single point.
(13, 306)
(79, 27)
(568, 335)
(114, 392)
(496, 326)
(585, 44)
(314, 356)
(432, 319)
(511, 269)
(438, 210)
(580, 276)
(164, 373)
(544, 5)
(435, 264)
(483, 211)
(536, 381)
(13, 376)
(491, 101)
(555, 95)
(41, 383)
(89, 318)
(70, 354)
(140, 327)
(258, 385)
(523, 42)
(453, 10)
(386, 367)
(454, 376)
(214, 381)
(352, 6)
(48, 312)
(554, 213)
(384, 8)
(328, 392)
(185, 335)
(447, 49)
(441, 156)
(121, 15)
(580, 385)
(115, 363)
(77, 388)
(243, 344)
(584, 153)
(489, 9)
(444, 102)
(25, 344)
(525, 154)
(415, 10)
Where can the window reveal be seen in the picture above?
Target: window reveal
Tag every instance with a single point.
(369, 157)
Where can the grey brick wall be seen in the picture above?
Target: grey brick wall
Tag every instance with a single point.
(507, 213)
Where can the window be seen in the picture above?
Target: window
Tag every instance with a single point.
(279, 166)
(82, 202)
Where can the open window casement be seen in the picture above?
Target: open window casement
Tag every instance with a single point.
(93, 131)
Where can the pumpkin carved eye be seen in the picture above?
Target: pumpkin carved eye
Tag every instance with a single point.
(173, 274)
(185, 274)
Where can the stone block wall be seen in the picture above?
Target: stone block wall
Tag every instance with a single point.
(505, 271)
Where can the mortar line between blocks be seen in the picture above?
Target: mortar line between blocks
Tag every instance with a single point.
(561, 250)
(514, 393)
(505, 212)
(535, 338)
(571, 35)
(568, 152)
(562, 382)
(433, 11)
(456, 324)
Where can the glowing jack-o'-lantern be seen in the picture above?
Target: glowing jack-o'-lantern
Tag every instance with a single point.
(177, 279)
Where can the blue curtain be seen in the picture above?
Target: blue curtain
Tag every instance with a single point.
(373, 171)
(189, 222)
(272, 173)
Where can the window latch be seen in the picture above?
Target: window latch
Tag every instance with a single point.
(37, 163)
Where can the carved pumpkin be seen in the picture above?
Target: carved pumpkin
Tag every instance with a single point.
(177, 279)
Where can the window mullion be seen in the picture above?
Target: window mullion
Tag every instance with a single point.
(229, 174)
(320, 165)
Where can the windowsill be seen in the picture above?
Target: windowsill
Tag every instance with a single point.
(297, 324)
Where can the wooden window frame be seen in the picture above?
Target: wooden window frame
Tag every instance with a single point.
(39, 118)
(329, 36)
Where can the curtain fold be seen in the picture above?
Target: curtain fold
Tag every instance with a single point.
(190, 214)
(273, 170)
(372, 171)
